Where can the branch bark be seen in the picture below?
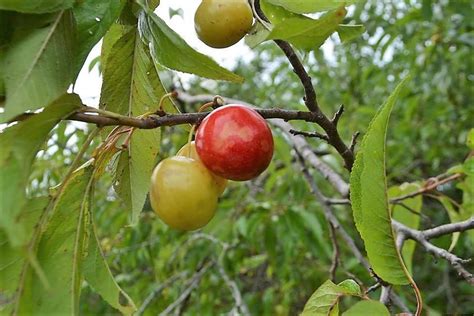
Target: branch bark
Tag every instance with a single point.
(190, 286)
(422, 237)
(302, 147)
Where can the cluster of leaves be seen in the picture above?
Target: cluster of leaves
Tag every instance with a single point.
(60, 224)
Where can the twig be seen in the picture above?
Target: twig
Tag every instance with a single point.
(311, 102)
(355, 136)
(431, 184)
(332, 201)
(190, 286)
(310, 94)
(335, 252)
(158, 290)
(449, 228)
(332, 220)
(309, 134)
(385, 295)
(422, 238)
(337, 115)
(155, 121)
(234, 289)
(373, 287)
(198, 236)
(302, 147)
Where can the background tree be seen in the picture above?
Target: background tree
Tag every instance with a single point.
(276, 239)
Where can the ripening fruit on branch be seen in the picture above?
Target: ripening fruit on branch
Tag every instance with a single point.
(183, 193)
(222, 23)
(189, 150)
(235, 142)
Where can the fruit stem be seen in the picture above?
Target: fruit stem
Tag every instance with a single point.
(206, 106)
(190, 138)
(162, 101)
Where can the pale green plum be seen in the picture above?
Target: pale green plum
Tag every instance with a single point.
(222, 23)
(183, 193)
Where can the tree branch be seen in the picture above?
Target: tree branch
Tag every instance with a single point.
(302, 147)
(329, 126)
(448, 229)
(155, 121)
(422, 238)
(158, 290)
(309, 134)
(310, 94)
(234, 289)
(335, 252)
(190, 286)
(332, 220)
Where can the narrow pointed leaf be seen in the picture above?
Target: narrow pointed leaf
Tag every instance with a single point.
(369, 198)
(303, 32)
(93, 19)
(99, 277)
(454, 216)
(59, 254)
(170, 50)
(114, 33)
(13, 258)
(467, 187)
(132, 87)
(19, 145)
(37, 66)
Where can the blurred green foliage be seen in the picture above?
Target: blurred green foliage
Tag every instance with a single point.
(279, 249)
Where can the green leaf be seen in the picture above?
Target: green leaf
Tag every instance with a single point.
(325, 299)
(19, 145)
(5, 32)
(454, 216)
(305, 6)
(369, 198)
(470, 139)
(351, 287)
(367, 307)
(254, 262)
(409, 217)
(467, 187)
(37, 65)
(36, 6)
(115, 32)
(132, 87)
(170, 50)
(93, 19)
(12, 257)
(99, 277)
(348, 32)
(257, 35)
(59, 254)
(302, 31)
